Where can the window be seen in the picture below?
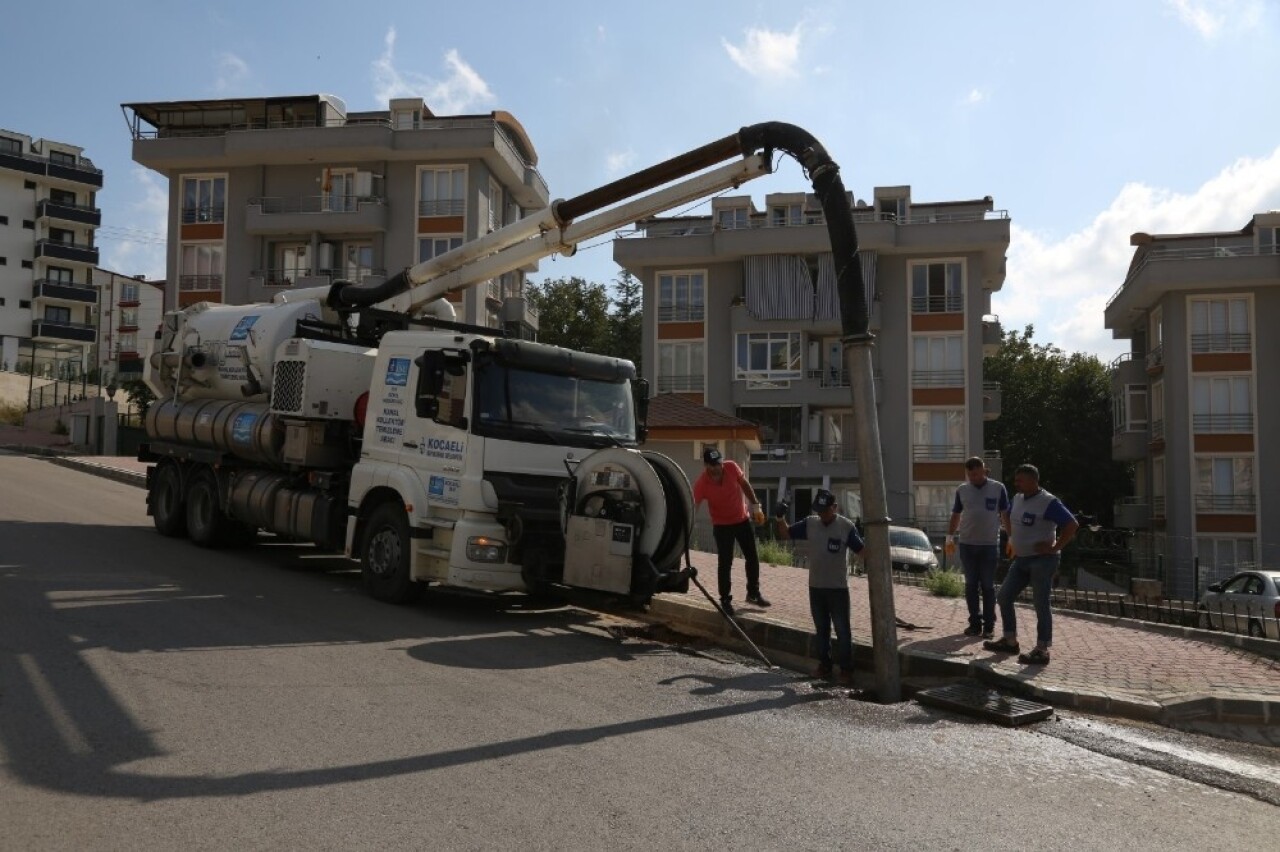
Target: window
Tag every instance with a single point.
(4, 220)
(62, 235)
(1157, 411)
(26, 264)
(292, 262)
(735, 219)
(937, 360)
(495, 205)
(938, 435)
(1221, 404)
(768, 355)
(442, 192)
(780, 425)
(128, 341)
(204, 199)
(681, 367)
(1, 301)
(59, 274)
(1222, 557)
(29, 224)
(200, 266)
(1268, 240)
(1224, 484)
(1130, 409)
(53, 313)
(681, 296)
(782, 215)
(1157, 486)
(10, 146)
(62, 196)
(432, 247)
(24, 303)
(4, 261)
(937, 287)
(129, 318)
(62, 158)
(892, 209)
(339, 187)
(357, 261)
(129, 293)
(933, 507)
(1220, 325)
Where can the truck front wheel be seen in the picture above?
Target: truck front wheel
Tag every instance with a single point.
(384, 563)
(168, 509)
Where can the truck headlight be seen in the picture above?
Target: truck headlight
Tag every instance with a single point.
(481, 548)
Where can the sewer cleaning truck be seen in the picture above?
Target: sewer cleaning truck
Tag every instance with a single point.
(363, 418)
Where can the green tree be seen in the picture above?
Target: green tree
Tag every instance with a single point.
(139, 395)
(626, 323)
(573, 313)
(1056, 413)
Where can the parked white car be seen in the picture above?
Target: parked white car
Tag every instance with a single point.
(911, 550)
(1249, 603)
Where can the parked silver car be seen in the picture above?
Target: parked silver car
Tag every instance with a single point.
(1249, 603)
(911, 550)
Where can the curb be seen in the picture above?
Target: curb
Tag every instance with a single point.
(127, 477)
(790, 647)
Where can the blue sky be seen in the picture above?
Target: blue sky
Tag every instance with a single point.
(1087, 121)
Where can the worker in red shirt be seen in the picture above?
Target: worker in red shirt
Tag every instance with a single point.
(724, 487)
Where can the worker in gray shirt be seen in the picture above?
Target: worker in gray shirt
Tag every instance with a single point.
(831, 536)
(981, 510)
(1039, 527)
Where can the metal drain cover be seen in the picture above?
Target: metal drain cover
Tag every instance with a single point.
(985, 703)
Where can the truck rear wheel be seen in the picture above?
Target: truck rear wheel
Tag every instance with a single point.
(206, 523)
(384, 562)
(168, 508)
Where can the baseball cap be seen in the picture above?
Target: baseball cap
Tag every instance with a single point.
(711, 456)
(823, 500)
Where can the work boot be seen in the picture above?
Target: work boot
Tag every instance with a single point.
(972, 630)
(823, 671)
(727, 605)
(758, 599)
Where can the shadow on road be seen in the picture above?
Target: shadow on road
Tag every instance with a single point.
(66, 590)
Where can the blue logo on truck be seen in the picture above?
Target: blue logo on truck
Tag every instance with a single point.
(242, 428)
(398, 371)
(241, 331)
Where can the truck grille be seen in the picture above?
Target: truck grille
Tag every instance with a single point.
(287, 387)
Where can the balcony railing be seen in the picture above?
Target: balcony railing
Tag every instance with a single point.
(199, 283)
(1157, 506)
(47, 288)
(1158, 254)
(68, 212)
(949, 304)
(291, 277)
(81, 172)
(443, 207)
(937, 378)
(58, 330)
(681, 384)
(938, 452)
(1222, 423)
(68, 251)
(1157, 430)
(1229, 503)
(830, 378)
(209, 214)
(703, 225)
(681, 313)
(1223, 342)
(315, 203)
(1155, 358)
(830, 453)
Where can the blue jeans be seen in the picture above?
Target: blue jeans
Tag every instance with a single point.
(831, 607)
(1037, 571)
(979, 563)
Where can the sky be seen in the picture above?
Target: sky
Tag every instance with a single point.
(1086, 121)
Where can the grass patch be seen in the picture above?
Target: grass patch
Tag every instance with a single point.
(945, 584)
(11, 413)
(775, 552)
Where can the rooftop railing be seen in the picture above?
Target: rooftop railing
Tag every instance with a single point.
(704, 225)
(1159, 254)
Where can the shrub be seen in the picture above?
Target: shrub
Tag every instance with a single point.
(775, 552)
(12, 413)
(945, 584)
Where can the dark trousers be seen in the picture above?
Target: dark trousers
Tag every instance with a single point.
(745, 536)
(979, 563)
(830, 608)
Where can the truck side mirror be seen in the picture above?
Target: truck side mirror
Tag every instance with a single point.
(640, 402)
(431, 368)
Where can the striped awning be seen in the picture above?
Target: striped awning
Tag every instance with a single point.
(780, 287)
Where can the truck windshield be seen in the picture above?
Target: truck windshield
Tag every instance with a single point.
(551, 408)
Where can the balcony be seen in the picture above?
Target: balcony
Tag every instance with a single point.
(820, 388)
(937, 378)
(56, 331)
(938, 453)
(949, 304)
(1130, 445)
(992, 336)
(326, 213)
(1232, 504)
(68, 252)
(1223, 342)
(992, 400)
(75, 214)
(200, 283)
(838, 461)
(1158, 269)
(1155, 361)
(1222, 423)
(64, 292)
(82, 172)
(682, 384)
(518, 309)
(1132, 513)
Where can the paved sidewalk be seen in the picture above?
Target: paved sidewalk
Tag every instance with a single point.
(1175, 676)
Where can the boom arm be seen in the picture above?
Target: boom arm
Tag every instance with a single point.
(559, 229)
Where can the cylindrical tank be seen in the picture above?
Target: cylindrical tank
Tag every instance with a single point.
(269, 501)
(247, 430)
(228, 351)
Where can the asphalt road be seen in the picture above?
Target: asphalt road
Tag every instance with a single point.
(153, 695)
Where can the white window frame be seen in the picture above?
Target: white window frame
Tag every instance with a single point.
(206, 209)
(1225, 484)
(751, 344)
(129, 293)
(1220, 324)
(926, 423)
(682, 366)
(1130, 409)
(1240, 552)
(442, 191)
(1221, 403)
(127, 342)
(937, 360)
(786, 215)
(933, 505)
(682, 295)
(431, 246)
(953, 285)
(733, 218)
(201, 264)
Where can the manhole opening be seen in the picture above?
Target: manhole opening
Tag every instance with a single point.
(985, 703)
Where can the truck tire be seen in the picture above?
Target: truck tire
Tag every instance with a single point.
(168, 506)
(206, 524)
(384, 557)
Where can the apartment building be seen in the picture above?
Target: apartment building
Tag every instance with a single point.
(1194, 395)
(48, 216)
(742, 316)
(131, 311)
(271, 193)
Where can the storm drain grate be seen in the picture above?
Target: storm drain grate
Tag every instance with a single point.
(985, 703)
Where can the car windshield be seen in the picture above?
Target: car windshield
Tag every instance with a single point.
(551, 407)
(909, 538)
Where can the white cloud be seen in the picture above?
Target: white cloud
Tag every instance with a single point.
(975, 97)
(463, 90)
(1062, 286)
(617, 162)
(1210, 18)
(136, 246)
(767, 53)
(232, 74)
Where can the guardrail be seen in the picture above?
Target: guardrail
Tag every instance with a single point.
(1159, 254)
